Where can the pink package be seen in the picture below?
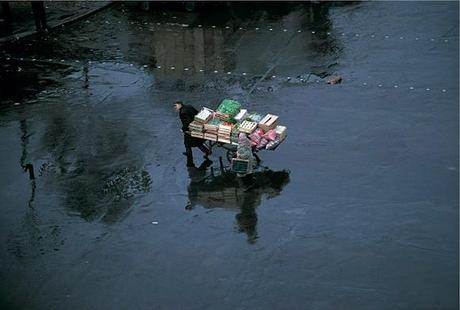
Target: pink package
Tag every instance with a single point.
(256, 136)
(270, 135)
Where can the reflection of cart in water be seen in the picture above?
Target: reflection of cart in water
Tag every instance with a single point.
(232, 192)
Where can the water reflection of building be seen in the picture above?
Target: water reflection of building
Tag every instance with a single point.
(187, 50)
(179, 50)
(243, 195)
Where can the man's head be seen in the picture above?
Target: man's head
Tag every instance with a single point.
(178, 105)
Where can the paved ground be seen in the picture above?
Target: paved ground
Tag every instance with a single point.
(57, 12)
(359, 209)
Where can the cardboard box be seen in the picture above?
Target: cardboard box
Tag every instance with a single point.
(241, 115)
(204, 116)
(281, 132)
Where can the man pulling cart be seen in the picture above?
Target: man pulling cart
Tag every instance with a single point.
(187, 114)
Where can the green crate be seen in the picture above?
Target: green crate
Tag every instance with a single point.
(240, 165)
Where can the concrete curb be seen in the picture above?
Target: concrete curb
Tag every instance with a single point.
(69, 20)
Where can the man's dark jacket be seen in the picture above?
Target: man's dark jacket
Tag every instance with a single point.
(187, 114)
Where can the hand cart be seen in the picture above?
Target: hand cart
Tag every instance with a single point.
(231, 150)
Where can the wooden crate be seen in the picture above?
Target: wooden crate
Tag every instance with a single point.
(268, 122)
(224, 140)
(247, 127)
(197, 134)
(222, 116)
(209, 136)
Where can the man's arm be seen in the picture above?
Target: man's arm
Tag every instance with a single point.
(186, 119)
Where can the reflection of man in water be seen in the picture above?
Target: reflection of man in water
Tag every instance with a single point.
(187, 114)
(243, 195)
(251, 199)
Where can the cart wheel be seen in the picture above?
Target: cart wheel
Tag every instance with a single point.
(230, 155)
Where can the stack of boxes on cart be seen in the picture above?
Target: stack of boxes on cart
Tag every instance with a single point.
(225, 124)
(197, 126)
(196, 129)
(224, 133)
(211, 129)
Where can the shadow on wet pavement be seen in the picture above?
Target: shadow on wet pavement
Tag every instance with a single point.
(243, 194)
